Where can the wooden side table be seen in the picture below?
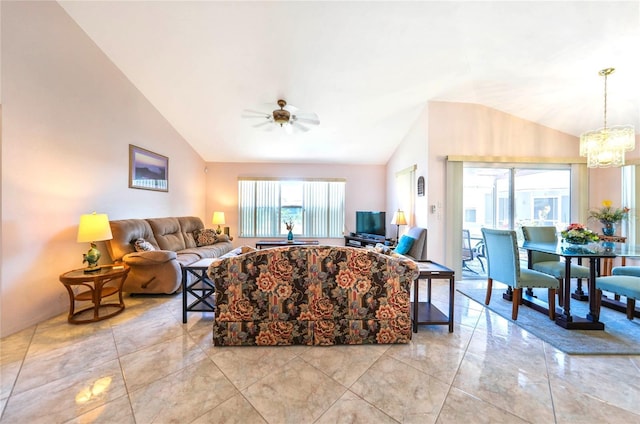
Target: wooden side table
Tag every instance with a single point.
(97, 289)
(608, 262)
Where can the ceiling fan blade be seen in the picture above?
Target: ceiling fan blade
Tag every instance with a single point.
(307, 120)
(261, 124)
(291, 109)
(299, 126)
(257, 112)
(255, 116)
(288, 129)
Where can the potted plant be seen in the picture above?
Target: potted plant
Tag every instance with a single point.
(578, 234)
(609, 216)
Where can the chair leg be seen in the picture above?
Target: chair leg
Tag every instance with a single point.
(516, 301)
(552, 304)
(487, 299)
(561, 292)
(631, 306)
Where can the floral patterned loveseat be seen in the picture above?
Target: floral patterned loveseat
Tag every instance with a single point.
(312, 295)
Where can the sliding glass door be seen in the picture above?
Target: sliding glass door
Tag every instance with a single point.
(510, 197)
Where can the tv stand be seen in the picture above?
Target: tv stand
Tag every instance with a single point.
(361, 241)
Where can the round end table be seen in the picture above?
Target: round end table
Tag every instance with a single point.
(98, 287)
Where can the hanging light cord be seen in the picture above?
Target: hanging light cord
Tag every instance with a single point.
(606, 72)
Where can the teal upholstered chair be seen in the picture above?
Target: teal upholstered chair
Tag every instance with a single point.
(621, 285)
(503, 263)
(633, 271)
(548, 263)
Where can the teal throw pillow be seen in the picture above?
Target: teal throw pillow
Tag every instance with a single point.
(404, 245)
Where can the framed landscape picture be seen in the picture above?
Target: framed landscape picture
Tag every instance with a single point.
(148, 170)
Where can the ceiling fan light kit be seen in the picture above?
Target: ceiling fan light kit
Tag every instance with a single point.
(281, 116)
(287, 117)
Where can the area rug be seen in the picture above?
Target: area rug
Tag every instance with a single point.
(620, 336)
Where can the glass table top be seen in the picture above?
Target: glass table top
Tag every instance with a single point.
(601, 249)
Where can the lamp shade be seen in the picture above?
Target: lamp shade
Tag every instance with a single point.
(398, 218)
(218, 218)
(94, 227)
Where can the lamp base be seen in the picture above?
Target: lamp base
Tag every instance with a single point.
(91, 258)
(89, 270)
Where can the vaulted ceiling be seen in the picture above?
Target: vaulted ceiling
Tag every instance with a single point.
(367, 69)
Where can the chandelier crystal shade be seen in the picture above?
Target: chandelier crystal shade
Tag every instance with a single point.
(607, 146)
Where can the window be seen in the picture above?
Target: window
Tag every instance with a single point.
(515, 196)
(470, 215)
(316, 207)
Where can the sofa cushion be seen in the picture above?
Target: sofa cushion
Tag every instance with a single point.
(189, 225)
(205, 236)
(189, 256)
(125, 232)
(211, 251)
(168, 233)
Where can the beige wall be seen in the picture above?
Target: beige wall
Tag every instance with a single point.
(470, 130)
(69, 116)
(411, 151)
(364, 189)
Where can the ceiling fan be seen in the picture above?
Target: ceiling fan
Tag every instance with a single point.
(288, 117)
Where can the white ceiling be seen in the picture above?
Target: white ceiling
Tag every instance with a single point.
(366, 68)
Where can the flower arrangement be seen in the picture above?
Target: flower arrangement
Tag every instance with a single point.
(579, 234)
(289, 224)
(609, 215)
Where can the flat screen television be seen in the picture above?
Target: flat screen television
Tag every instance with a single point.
(371, 224)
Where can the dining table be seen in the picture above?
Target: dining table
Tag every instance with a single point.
(595, 252)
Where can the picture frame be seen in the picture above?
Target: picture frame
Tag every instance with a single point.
(148, 170)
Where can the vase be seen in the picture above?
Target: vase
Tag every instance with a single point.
(290, 236)
(609, 228)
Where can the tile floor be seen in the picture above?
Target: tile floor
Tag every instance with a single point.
(145, 366)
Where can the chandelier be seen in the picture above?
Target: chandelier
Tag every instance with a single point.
(606, 146)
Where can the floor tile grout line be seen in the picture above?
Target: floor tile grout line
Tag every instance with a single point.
(464, 354)
(485, 311)
(124, 380)
(545, 346)
(15, 381)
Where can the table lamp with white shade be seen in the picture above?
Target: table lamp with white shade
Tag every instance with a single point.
(218, 219)
(92, 228)
(398, 219)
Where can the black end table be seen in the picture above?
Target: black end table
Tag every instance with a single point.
(425, 313)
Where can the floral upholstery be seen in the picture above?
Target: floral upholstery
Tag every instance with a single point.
(312, 295)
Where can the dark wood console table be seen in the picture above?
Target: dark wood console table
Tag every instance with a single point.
(357, 241)
(279, 243)
(425, 312)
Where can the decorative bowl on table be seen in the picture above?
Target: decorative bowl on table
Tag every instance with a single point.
(578, 234)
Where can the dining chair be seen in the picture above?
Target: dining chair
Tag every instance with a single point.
(548, 263)
(503, 263)
(470, 253)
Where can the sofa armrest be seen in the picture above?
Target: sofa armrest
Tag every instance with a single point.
(153, 257)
